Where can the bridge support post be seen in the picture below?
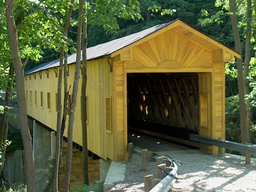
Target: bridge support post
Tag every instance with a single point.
(41, 152)
(144, 155)
(130, 150)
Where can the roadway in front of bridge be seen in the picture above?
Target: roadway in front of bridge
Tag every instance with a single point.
(153, 144)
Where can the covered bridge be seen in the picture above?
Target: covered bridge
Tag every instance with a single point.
(169, 74)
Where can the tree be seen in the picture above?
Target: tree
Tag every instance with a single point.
(4, 124)
(19, 71)
(74, 99)
(26, 23)
(240, 79)
(32, 27)
(84, 101)
(61, 119)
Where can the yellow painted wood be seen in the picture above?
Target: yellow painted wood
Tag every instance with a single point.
(99, 87)
(126, 55)
(175, 49)
(188, 32)
(155, 51)
(118, 100)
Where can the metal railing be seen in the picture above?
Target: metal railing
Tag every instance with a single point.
(224, 144)
(170, 177)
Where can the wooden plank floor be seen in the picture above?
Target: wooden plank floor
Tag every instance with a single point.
(151, 143)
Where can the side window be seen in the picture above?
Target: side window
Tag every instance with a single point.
(48, 100)
(35, 97)
(42, 99)
(56, 101)
(204, 110)
(27, 96)
(30, 97)
(108, 114)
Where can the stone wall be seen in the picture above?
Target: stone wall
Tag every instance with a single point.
(42, 152)
(14, 170)
(76, 177)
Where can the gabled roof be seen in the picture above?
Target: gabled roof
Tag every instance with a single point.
(113, 47)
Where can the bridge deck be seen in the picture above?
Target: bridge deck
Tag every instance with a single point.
(152, 143)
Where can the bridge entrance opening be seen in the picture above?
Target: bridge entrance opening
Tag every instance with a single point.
(163, 104)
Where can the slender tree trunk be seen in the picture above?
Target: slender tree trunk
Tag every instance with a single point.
(60, 132)
(4, 123)
(240, 78)
(84, 104)
(74, 100)
(246, 67)
(22, 106)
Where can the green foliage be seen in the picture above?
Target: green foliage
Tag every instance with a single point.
(6, 187)
(96, 187)
(215, 21)
(1, 109)
(233, 131)
(3, 147)
(106, 12)
(16, 141)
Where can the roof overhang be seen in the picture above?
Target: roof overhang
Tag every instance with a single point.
(191, 34)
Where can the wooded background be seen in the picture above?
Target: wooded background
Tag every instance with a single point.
(35, 31)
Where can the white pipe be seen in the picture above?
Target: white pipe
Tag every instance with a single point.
(53, 144)
(166, 183)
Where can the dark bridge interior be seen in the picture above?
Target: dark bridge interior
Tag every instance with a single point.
(165, 103)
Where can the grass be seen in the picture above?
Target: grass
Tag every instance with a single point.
(96, 187)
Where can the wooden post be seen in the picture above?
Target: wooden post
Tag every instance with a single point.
(160, 173)
(168, 169)
(159, 160)
(150, 156)
(148, 182)
(144, 159)
(220, 149)
(130, 149)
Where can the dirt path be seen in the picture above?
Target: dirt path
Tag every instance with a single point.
(199, 172)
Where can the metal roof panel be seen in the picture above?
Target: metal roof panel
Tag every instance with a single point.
(103, 49)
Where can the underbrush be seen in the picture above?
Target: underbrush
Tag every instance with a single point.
(96, 187)
(5, 187)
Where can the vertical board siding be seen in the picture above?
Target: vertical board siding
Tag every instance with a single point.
(120, 134)
(166, 51)
(204, 80)
(99, 86)
(219, 103)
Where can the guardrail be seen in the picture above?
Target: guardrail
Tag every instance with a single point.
(244, 148)
(168, 175)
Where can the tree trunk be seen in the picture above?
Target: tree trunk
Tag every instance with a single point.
(22, 106)
(240, 78)
(4, 123)
(84, 105)
(74, 100)
(246, 67)
(60, 132)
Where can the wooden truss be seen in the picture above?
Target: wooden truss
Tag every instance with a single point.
(166, 98)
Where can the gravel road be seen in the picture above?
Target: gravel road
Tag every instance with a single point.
(199, 172)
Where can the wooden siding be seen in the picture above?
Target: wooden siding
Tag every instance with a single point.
(175, 49)
(171, 50)
(99, 87)
(212, 104)
(119, 110)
